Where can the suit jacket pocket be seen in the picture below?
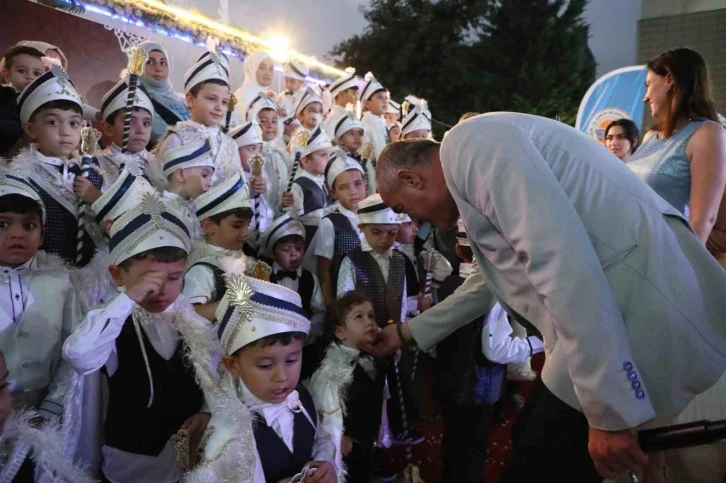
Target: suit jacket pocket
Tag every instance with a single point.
(618, 257)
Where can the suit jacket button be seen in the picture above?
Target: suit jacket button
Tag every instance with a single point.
(633, 376)
(628, 366)
(640, 394)
(636, 384)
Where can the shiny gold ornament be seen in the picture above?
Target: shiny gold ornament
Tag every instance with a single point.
(240, 295)
(366, 150)
(232, 103)
(256, 164)
(89, 140)
(137, 59)
(180, 441)
(259, 270)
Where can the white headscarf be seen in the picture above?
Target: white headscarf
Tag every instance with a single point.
(250, 87)
(43, 47)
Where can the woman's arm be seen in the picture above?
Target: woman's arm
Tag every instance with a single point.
(707, 152)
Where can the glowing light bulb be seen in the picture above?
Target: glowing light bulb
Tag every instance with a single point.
(279, 49)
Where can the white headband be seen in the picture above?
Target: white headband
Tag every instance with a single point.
(374, 211)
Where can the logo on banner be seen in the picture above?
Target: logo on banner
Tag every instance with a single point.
(601, 120)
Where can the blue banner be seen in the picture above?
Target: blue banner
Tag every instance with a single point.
(613, 96)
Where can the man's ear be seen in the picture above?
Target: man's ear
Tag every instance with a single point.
(116, 274)
(29, 128)
(410, 179)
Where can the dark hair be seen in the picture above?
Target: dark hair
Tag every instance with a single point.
(17, 50)
(284, 338)
(266, 109)
(465, 253)
(194, 91)
(244, 214)
(691, 96)
(113, 117)
(63, 105)
(20, 205)
(631, 132)
(346, 90)
(161, 255)
(468, 115)
(339, 310)
(293, 238)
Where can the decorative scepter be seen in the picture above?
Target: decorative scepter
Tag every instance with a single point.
(256, 164)
(300, 141)
(230, 109)
(137, 59)
(89, 138)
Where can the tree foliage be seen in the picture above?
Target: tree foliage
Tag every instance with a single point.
(477, 55)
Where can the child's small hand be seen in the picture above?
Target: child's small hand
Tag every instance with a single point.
(324, 473)
(150, 284)
(425, 302)
(346, 445)
(84, 189)
(258, 184)
(287, 200)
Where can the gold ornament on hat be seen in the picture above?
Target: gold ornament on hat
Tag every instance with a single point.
(405, 106)
(259, 270)
(89, 140)
(137, 59)
(240, 294)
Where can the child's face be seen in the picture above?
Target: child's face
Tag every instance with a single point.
(316, 162)
(360, 329)
(195, 181)
(418, 134)
(231, 233)
(5, 397)
(210, 105)
(311, 115)
(270, 373)
(157, 67)
(173, 271)
(348, 96)
(289, 255)
(269, 124)
(351, 141)
(350, 189)
(407, 233)
(57, 132)
(392, 118)
(293, 84)
(20, 237)
(377, 103)
(379, 236)
(139, 135)
(248, 152)
(265, 73)
(25, 69)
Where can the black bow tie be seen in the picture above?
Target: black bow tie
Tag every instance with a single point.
(289, 93)
(72, 168)
(285, 274)
(355, 156)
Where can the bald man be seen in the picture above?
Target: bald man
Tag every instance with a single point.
(630, 304)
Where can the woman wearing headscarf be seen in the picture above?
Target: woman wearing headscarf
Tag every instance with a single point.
(170, 106)
(259, 70)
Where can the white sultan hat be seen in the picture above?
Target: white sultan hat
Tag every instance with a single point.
(308, 142)
(418, 118)
(212, 65)
(295, 70)
(283, 226)
(124, 194)
(54, 85)
(342, 123)
(228, 195)
(372, 86)
(461, 237)
(346, 82)
(393, 107)
(261, 101)
(253, 309)
(116, 98)
(193, 155)
(373, 210)
(307, 98)
(338, 165)
(404, 218)
(15, 182)
(148, 225)
(247, 133)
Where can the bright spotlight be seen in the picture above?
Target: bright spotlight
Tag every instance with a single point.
(279, 49)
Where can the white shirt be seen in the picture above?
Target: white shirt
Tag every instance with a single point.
(278, 175)
(199, 282)
(317, 304)
(14, 293)
(347, 279)
(51, 164)
(312, 218)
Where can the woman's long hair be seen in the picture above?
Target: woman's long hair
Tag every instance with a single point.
(691, 95)
(631, 132)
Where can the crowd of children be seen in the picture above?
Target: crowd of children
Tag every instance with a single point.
(194, 302)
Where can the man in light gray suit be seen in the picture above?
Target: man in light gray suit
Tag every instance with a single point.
(631, 306)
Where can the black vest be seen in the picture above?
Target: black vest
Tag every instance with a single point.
(62, 228)
(387, 298)
(130, 425)
(314, 198)
(305, 288)
(413, 284)
(277, 461)
(346, 239)
(363, 401)
(220, 284)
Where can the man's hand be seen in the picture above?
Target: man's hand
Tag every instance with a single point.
(195, 426)
(150, 284)
(84, 189)
(616, 452)
(388, 341)
(324, 473)
(425, 302)
(258, 184)
(288, 199)
(346, 445)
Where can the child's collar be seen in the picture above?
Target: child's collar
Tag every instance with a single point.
(31, 264)
(55, 161)
(210, 129)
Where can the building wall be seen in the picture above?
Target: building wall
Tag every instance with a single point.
(665, 8)
(701, 31)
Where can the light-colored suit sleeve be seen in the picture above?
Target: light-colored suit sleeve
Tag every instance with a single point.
(498, 169)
